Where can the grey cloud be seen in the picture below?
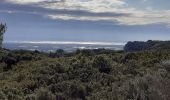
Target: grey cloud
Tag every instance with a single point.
(83, 12)
(39, 10)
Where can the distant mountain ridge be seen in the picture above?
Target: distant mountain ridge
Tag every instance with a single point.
(148, 45)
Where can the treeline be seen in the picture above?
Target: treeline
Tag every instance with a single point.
(149, 45)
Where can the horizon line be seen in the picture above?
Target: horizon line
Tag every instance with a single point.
(68, 42)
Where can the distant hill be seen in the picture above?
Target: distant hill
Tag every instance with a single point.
(149, 45)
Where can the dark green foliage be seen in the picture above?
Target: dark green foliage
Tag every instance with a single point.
(58, 53)
(102, 64)
(85, 75)
(44, 94)
(136, 46)
(9, 61)
(166, 64)
(149, 45)
(2, 31)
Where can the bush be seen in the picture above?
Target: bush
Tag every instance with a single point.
(2, 96)
(102, 64)
(11, 94)
(77, 90)
(30, 97)
(44, 94)
(166, 64)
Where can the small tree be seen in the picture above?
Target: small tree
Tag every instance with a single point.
(103, 64)
(2, 31)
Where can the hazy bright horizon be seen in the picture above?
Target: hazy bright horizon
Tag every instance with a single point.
(86, 20)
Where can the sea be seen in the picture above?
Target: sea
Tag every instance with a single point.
(68, 46)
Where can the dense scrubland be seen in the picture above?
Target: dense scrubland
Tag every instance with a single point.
(85, 75)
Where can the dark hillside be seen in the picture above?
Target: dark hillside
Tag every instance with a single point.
(149, 45)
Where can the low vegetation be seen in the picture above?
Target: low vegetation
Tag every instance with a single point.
(85, 75)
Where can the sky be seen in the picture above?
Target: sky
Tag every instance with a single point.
(86, 20)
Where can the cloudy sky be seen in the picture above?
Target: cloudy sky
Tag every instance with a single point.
(86, 20)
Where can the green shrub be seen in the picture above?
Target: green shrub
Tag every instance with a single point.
(102, 64)
(166, 64)
(77, 90)
(30, 97)
(44, 94)
(2, 96)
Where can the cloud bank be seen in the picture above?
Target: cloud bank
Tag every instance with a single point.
(116, 11)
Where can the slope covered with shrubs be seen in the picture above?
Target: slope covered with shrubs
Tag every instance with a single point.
(149, 45)
(85, 75)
